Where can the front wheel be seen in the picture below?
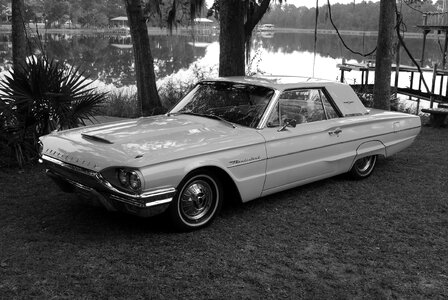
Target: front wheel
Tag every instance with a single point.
(197, 201)
(363, 167)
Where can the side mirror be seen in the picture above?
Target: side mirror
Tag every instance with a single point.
(288, 123)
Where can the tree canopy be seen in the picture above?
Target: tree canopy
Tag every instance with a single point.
(83, 12)
(359, 15)
(353, 16)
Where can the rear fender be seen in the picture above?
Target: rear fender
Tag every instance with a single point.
(368, 149)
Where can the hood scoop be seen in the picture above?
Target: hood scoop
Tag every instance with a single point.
(95, 138)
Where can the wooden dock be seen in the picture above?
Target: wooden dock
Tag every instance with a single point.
(434, 90)
(435, 94)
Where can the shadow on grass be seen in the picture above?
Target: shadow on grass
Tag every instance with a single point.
(301, 194)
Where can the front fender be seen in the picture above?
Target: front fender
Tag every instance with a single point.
(246, 167)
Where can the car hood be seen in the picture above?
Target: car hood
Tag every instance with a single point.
(145, 141)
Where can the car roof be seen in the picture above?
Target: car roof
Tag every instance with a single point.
(342, 94)
(278, 82)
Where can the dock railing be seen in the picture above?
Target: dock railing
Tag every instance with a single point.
(435, 19)
(434, 94)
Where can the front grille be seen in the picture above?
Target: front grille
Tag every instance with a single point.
(94, 184)
(86, 178)
(76, 174)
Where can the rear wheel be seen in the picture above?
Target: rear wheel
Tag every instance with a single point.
(197, 201)
(363, 167)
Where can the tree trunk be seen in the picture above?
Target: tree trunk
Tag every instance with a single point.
(235, 29)
(384, 55)
(19, 45)
(257, 13)
(231, 38)
(147, 94)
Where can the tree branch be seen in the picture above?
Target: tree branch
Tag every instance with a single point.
(255, 17)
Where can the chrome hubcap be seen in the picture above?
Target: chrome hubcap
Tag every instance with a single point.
(364, 164)
(196, 200)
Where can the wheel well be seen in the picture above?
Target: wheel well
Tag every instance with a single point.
(231, 192)
(371, 148)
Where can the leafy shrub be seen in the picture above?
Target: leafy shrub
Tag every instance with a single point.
(174, 87)
(120, 104)
(253, 63)
(125, 105)
(366, 99)
(398, 104)
(171, 89)
(39, 97)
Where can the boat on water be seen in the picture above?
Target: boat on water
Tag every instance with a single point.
(266, 27)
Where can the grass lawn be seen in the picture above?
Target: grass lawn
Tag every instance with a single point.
(380, 238)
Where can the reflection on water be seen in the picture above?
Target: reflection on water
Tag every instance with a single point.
(110, 59)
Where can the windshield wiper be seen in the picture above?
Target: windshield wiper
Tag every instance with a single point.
(211, 116)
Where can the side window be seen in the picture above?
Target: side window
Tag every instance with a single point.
(304, 105)
(315, 109)
(329, 109)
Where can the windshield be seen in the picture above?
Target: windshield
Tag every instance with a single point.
(238, 103)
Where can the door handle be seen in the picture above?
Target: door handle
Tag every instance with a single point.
(336, 132)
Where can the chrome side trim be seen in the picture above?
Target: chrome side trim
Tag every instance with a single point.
(338, 143)
(246, 163)
(159, 192)
(141, 204)
(69, 166)
(168, 200)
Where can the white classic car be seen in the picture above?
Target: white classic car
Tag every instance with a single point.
(243, 137)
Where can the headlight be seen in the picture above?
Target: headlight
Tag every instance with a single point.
(129, 179)
(134, 180)
(123, 177)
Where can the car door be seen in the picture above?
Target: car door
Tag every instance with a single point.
(309, 151)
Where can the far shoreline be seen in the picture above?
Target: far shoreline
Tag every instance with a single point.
(6, 28)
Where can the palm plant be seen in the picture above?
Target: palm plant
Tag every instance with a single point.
(40, 97)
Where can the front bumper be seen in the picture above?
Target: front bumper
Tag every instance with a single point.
(93, 186)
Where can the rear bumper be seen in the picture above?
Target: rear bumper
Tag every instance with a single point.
(90, 185)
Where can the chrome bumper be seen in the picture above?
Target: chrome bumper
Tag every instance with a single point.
(74, 179)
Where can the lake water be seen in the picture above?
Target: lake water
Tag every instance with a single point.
(109, 58)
